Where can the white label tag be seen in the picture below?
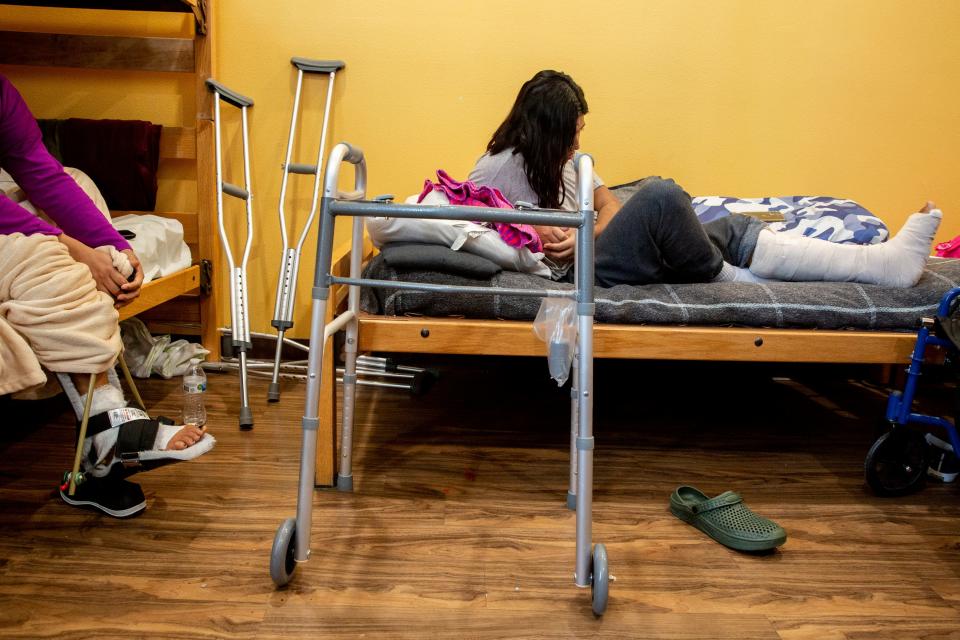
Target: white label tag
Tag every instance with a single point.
(126, 414)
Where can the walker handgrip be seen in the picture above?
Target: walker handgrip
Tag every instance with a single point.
(234, 98)
(343, 152)
(353, 155)
(317, 66)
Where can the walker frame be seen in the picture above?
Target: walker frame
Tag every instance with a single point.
(291, 543)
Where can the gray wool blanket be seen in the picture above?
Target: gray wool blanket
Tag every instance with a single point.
(824, 305)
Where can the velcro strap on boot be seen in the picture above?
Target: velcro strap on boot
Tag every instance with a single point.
(113, 418)
(136, 432)
(136, 436)
(725, 499)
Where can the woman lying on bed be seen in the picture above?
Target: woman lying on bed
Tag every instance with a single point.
(58, 294)
(656, 236)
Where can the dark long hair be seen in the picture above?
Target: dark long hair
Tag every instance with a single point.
(541, 127)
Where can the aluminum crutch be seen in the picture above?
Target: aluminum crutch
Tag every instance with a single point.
(290, 259)
(240, 322)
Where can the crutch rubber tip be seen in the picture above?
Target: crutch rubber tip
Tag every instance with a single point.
(246, 418)
(571, 501)
(344, 483)
(273, 393)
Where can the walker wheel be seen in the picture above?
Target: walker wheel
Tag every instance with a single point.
(282, 563)
(896, 464)
(599, 580)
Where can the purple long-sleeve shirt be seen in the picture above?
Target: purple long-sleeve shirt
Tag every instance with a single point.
(41, 177)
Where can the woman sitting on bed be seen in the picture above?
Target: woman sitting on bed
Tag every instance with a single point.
(656, 236)
(59, 287)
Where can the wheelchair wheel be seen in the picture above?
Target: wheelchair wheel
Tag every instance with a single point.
(896, 464)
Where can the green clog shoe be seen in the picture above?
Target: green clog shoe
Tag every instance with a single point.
(726, 519)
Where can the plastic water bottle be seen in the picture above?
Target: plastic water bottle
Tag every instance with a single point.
(194, 388)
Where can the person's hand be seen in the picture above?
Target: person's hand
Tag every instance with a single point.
(106, 277)
(130, 290)
(558, 242)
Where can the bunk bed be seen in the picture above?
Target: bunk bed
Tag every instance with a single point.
(184, 302)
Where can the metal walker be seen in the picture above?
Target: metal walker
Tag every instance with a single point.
(239, 300)
(292, 541)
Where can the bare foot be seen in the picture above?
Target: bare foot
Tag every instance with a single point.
(188, 436)
(927, 208)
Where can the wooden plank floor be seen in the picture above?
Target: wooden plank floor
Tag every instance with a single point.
(457, 526)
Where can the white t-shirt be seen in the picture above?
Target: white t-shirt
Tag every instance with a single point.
(505, 171)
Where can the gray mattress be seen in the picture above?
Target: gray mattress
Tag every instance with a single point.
(788, 304)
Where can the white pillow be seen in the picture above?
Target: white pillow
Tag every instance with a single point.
(459, 235)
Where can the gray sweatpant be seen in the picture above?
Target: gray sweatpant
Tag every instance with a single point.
(656, 237)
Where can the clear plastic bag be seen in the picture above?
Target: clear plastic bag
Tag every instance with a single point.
(556, 325)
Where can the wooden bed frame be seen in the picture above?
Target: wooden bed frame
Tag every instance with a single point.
(639, 342)
(183, 302)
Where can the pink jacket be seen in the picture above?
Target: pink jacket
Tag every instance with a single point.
(472, 195)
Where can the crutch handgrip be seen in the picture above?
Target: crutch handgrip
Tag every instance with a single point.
(303, 169)
(317, 66)
(235, 191)
(236, 99)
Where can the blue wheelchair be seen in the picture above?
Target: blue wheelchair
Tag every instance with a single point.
(898, 462)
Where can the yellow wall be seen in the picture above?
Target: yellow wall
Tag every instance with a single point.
(854, 98)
